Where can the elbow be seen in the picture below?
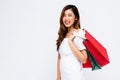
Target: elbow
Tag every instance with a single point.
(84, 60)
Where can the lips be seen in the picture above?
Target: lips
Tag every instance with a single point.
(67, 22)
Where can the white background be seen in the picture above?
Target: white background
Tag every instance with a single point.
(28, 33)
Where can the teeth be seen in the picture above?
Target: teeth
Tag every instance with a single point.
(67, 22)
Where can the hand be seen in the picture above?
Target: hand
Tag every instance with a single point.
(58, 79)
(72, 35)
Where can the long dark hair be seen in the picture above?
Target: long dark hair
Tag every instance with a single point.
(63, 30)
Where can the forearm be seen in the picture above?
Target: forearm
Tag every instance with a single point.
(58, 68)
(77, 52)
(58, 73)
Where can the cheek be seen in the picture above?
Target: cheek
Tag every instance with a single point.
(73, 19)
(63, 19)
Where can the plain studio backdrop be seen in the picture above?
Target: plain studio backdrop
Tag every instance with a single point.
(28, 33)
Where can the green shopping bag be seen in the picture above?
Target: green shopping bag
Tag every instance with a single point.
(94, 63)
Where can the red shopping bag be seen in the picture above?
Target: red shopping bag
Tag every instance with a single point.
(96, 49)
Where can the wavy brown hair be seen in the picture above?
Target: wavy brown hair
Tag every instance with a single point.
(63, 30)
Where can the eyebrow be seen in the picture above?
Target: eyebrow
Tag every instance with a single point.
(69, 13)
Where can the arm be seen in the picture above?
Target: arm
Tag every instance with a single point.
(58, 68)
(81, 55)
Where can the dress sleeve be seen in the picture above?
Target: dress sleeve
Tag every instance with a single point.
(78, 41)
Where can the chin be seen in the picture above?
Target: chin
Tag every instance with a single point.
(68, 26)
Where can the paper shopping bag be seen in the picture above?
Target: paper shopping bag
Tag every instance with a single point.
(92, 63)
(96, 49)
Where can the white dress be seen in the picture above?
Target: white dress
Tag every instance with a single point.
(70, 66)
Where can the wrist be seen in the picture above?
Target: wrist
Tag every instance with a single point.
(70, 41)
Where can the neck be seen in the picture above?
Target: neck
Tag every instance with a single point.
(70, 28)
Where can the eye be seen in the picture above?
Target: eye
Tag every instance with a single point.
(69, 15)
(64, 15)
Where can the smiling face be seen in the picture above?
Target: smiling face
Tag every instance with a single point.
(69, 18)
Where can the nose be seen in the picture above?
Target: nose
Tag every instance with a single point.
(66, 17)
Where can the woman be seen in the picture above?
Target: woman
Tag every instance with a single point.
(71, 51)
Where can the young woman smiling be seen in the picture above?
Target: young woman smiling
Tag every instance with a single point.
(71, 51)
